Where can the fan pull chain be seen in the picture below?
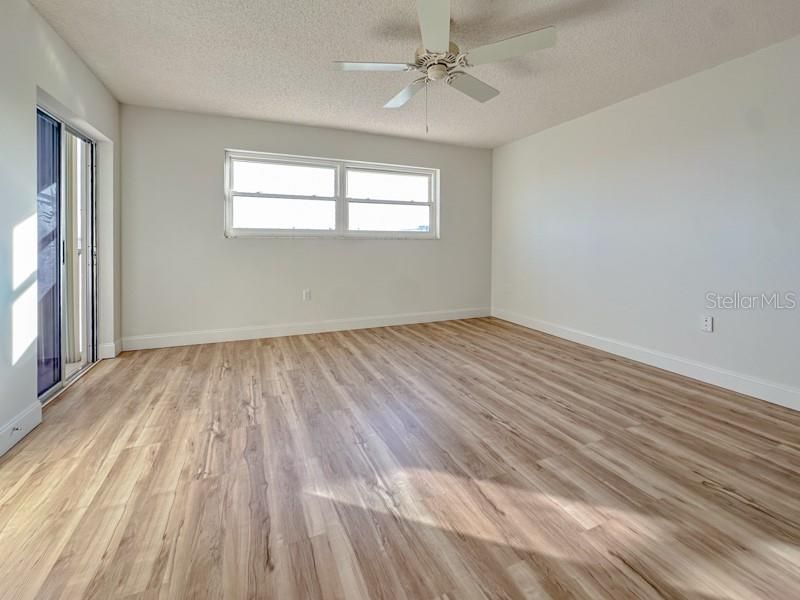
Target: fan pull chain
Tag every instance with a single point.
(427, 85)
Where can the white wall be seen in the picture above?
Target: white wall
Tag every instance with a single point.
(610, 229)
(184, 282)
(37, 66)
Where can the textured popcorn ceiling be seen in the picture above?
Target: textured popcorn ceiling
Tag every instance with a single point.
(270, 59)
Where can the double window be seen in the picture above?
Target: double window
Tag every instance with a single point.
(279, 195)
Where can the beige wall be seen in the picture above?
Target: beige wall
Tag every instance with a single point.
(184, 282)
(36, 66)
(611, 229)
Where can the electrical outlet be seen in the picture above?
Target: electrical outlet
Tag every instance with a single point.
(306, 295)
(708, 324)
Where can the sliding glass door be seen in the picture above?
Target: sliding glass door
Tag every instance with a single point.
(49, 229)
(66, 279)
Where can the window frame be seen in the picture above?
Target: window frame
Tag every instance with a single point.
(342, 201)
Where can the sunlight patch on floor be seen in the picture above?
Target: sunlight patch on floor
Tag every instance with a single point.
(493, 523)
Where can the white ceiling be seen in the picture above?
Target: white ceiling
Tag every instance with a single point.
(270, 59)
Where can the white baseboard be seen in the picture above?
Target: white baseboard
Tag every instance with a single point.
(775, 393)
(20, 426)
(209, 336)
(109, 350)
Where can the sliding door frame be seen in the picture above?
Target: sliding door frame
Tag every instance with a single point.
(89, 259)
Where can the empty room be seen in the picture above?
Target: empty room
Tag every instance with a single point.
(400, 299)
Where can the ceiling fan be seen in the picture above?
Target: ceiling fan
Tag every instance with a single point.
(439, 59)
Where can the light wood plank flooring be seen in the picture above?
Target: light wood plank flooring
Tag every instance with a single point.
(458, 460)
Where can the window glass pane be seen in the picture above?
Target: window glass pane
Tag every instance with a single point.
(388, 217)
(374, 185)
(293, 180)
(283, 213)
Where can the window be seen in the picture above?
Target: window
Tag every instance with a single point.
(275, 195)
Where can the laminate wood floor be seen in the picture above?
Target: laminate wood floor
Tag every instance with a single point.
(458, 460)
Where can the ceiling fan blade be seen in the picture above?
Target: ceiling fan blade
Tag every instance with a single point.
(406, 94)
(472, 87)
(515, 46)
(370, 66)
(434, 23)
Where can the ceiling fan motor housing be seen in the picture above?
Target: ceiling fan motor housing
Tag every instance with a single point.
(437, 72)
(437, 66)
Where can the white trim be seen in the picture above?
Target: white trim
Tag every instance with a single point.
(283, 196)
(775, 393)
(109, 349)
(186, 338)
(20, 426)
(390, 202)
